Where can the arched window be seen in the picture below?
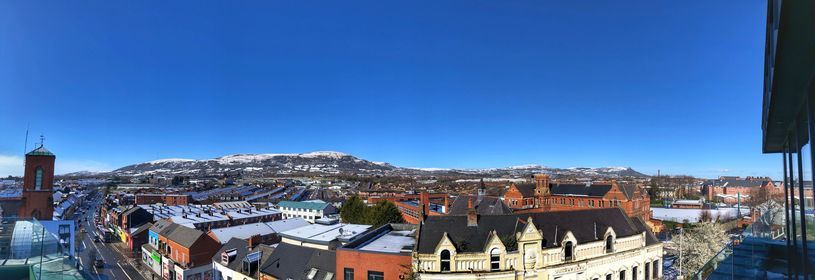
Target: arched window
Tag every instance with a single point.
(568, 251)
(495, 260)
(445, 260)
(609, 244)
(38, 179)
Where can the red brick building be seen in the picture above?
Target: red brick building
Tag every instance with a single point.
(728, 189)
(38, 185)
(412, 209)
(187, 252)
(167, 199)
(544, 195)
(383, 253)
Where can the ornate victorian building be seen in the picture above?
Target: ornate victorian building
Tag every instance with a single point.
(581, 244)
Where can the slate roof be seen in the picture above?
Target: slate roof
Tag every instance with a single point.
(295, 262)
(142, 228)
(553, 224)
(163, 227)
(594, 190)
(487, 205)
(527, 190)
(184, 236)
(735, 183)
(628, 190)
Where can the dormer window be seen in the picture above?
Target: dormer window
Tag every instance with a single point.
(250, 262)
(609, 244)
(495, 259)
(444, 257)
(228, 255)
(568, 251)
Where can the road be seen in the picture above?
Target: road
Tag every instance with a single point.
(116, 266)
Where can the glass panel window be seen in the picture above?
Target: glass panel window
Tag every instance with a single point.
(348, 274)
(655, 269)
(445, 260)
(376, 275)
(38, 178)
(495, 260)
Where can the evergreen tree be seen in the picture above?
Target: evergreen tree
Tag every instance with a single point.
(383, 213)
(353, 211)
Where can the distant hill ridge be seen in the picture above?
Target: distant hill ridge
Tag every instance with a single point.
(334, 163)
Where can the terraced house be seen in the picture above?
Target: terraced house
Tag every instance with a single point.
(580, 244)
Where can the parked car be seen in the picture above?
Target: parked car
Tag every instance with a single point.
(96, 239)
(99, 262)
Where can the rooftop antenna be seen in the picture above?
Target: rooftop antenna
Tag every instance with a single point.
(25, 147)
(42, 140)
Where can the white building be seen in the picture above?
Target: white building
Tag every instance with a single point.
(308, 210)
(583, 244)
(322, 236)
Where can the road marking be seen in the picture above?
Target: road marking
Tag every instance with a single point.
(123, 270)
(99, 252)
(83, 245)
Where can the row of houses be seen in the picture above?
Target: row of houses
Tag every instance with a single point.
(129, 223)
(600, 243)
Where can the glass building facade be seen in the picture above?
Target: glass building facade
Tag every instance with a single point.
(28, 250)
(779, 244)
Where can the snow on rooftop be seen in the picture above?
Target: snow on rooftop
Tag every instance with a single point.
(318, 233)
(692, 215)
(242, 231)
(288, 224)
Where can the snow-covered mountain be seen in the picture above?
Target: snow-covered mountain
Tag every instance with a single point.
(334, 163)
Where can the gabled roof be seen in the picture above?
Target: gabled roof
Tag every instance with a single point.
(486, 205)
(586, 225)
(296, 262)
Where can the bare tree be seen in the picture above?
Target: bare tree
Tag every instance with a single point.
(705, 216)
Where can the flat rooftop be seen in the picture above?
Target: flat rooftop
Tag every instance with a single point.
(391, 242)
(242, 231)
(323, 234)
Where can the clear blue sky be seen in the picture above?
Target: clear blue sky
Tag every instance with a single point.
(670, 85)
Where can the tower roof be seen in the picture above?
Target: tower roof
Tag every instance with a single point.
(40, 151)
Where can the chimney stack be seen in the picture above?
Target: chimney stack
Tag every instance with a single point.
(472, 216)
(424, 199)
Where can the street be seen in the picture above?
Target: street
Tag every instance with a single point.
(116, 265)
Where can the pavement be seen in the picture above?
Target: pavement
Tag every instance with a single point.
(117, 263)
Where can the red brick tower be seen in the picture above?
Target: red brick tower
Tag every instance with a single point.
(38, 185)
